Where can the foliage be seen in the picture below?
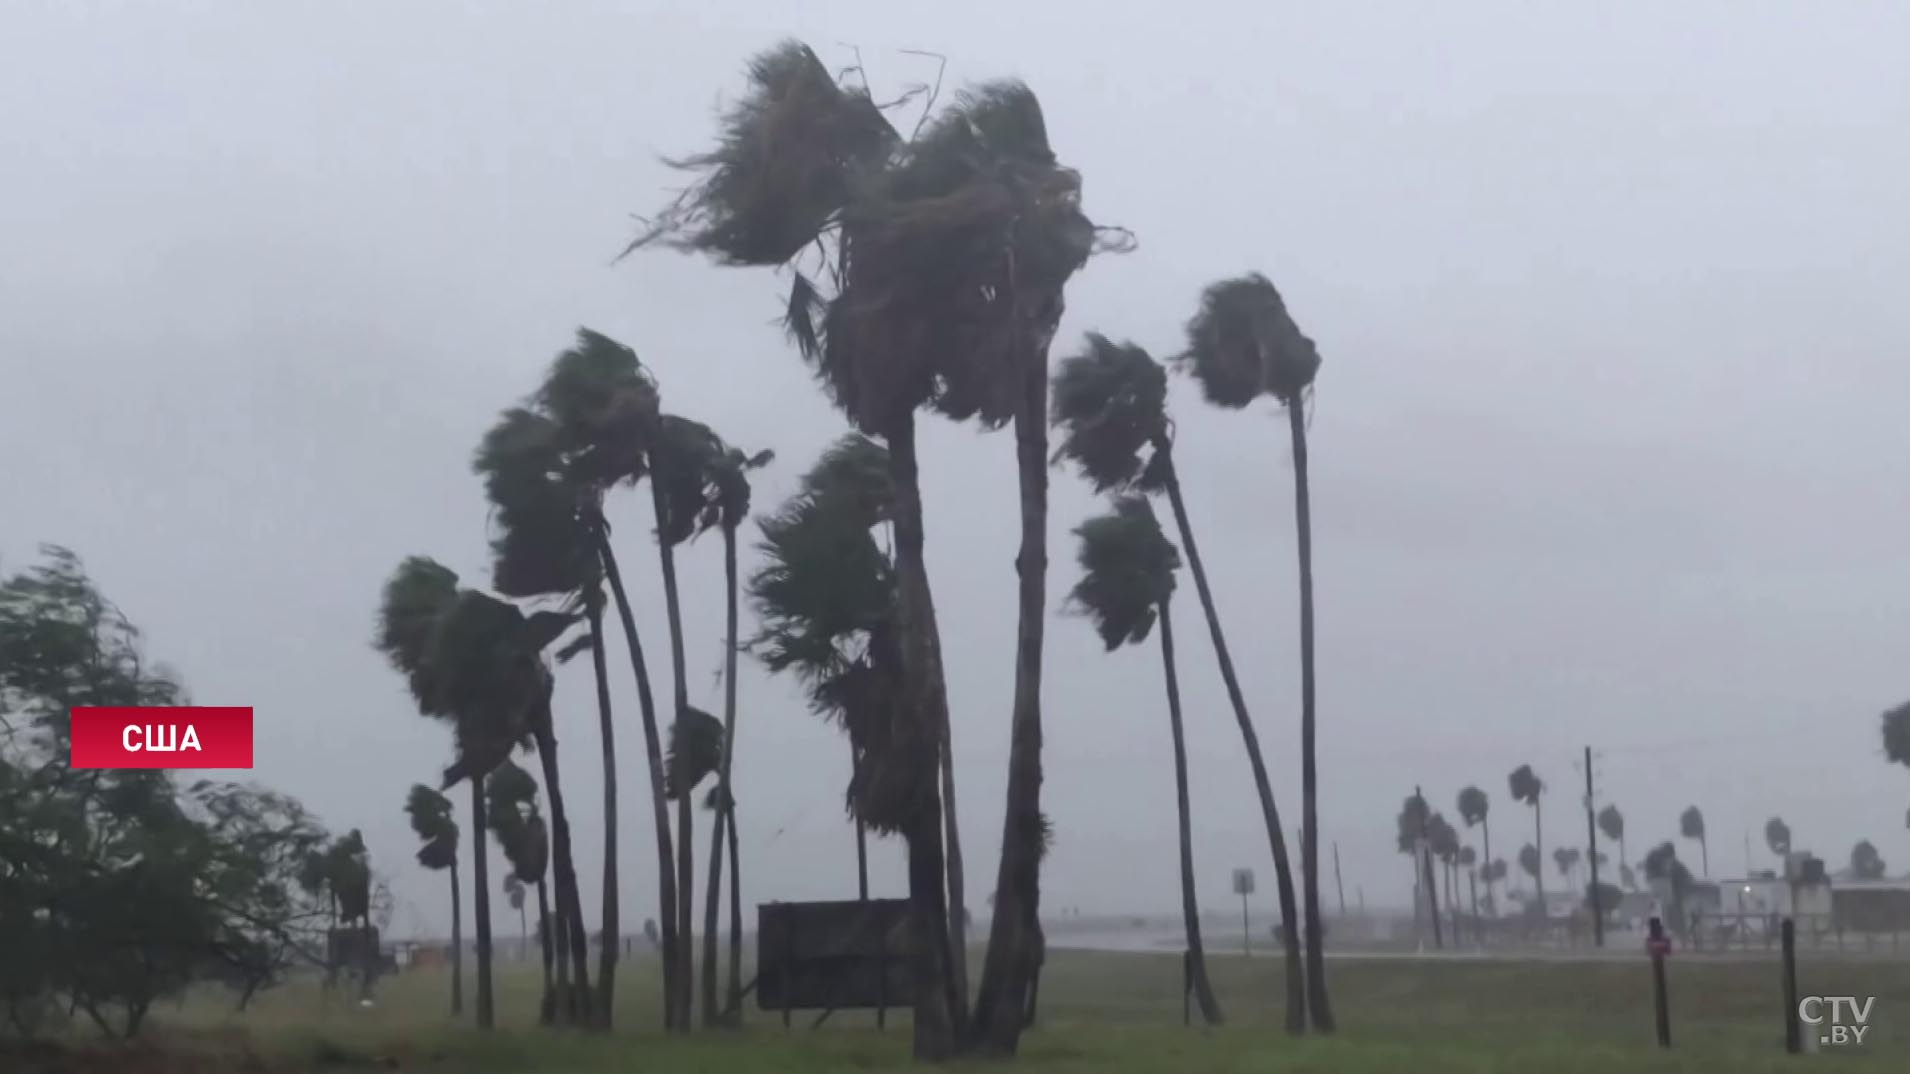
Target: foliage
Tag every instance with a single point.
(1111, 403)
(1442, 837)
(1127, 571)
(1566, 858)
(1525, 785)
(435, 822)
(1243, 343)
(1411, 824)
(1473, 806)
(696, 749)
(119, 887)
(1896, 734)
(1612, 823)
(1691, 823)
(1529, 860)
(1865, 862)
(510, 808)
(1777, 836)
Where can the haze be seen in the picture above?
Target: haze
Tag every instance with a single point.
(1608, 448)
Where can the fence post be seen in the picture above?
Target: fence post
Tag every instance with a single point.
(1793, 1032)
(1661, 1003)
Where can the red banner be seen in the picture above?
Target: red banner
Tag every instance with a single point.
(159, 737)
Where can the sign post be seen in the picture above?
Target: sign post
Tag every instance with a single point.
(1659, 945)
(1243, 887)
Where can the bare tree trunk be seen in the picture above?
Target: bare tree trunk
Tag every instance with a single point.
(1317, 1001)
(1269, 812)
(481, 903)
(952, 847)
(1015, 942)
(1189, 901)
(1485, 827)
(713, 895)
(607, 965)
(937, 1018)
(574, 992)
(681, 982)
(862, 831)
(547, 1008)
(457, 944)
(735, 1003)
(1538, 876)
(653, 750)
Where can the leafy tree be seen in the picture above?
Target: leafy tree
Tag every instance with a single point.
(943, 263)
(434, 822)
(1474, 809)
(1865, 862)
(1241, 344)
(1111, 403)
(1127, 585)
(726, 509)
(1612, 823)
(119, 887)
(1691, 826)
(1528, 788)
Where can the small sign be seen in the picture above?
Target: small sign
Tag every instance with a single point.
(1658, 946)
(1243, 881)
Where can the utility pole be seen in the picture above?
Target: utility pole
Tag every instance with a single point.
(1591, 854)
(1338, 884)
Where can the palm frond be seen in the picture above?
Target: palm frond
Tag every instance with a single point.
(696, 749)
(1242, 342)
(1525, 785)
(1127, 571)
(1110, 402)
(1896, 734)
(416, 598)
(432, 816)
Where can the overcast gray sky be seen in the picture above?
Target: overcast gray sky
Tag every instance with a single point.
(1608, 448)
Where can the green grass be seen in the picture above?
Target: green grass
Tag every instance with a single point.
(1099, 1012)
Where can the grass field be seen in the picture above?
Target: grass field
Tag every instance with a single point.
(1099, 1012)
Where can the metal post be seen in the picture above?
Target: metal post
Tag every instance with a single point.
(1591, 842)
(1793, 1032)
(1661, 1003)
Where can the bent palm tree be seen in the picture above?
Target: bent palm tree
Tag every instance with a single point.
(1242, 344)
(1691, 826)
(1111, 403)
(434, 821)
(519, 826)
(1612, 823)
(1474, 809)
(1527, 787)
(1127, 584)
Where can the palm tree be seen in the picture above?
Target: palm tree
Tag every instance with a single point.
(1243, 344)
(1474, 808)
(433, 819)
(1777, 836)
(727, 508)
(475, 661)
(1865, 862)
(1566, 858)
(1612, 823)
(600, 406)
(943, 259)
(696, 753)
(1533, 863)
(1691, 826)
(1469, 861)
(1662, 865)
(521, 834)
(1127, 584)
(1443, 840)
(1414, 836)
(1111, 403)
(1528, 788)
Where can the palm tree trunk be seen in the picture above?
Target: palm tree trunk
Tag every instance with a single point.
(1015, 943)
(862, 832)
(481, 901)
(1317, 1001)
(1704, 850)
(713, 894)
(937, 1018)
(1189, 902)
(653, 751)
(1538, 836)
(607, 966)
(681, 984)
(570, 939)
(952, 850)
(1424, 853)
(547, 1010)
(1270, 813)
(1472, 889)
(734, 1006)
(457, 944)
(1485, 826)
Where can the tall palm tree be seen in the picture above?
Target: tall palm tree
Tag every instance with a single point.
(1691, 826)
(602, 404)
(942, 260)
(1241, 344)
(1474, 807)
(434, 820)
(726, 509)
(1413, 835)
(477, 662)
(1111, 403)
(1566, 858)
(1612, 823)
(1528, 788)
(1443, 840)
(1127, 584)
(515, 819)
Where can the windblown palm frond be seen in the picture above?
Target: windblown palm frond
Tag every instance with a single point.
(416, 598)
(432, 815)
(1442, 837)
(1612, 823)
(1414, 816)
(683, 456)
(1110, 402)
(545, 520)
(791, 154)
(696, 749)
(1525, 785)
(1473, 805)
(1127, 571)
(1243, 343)
(1691, 823)
(510, 795)
(1777, 836)
(605, 405)
(1896, 734)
